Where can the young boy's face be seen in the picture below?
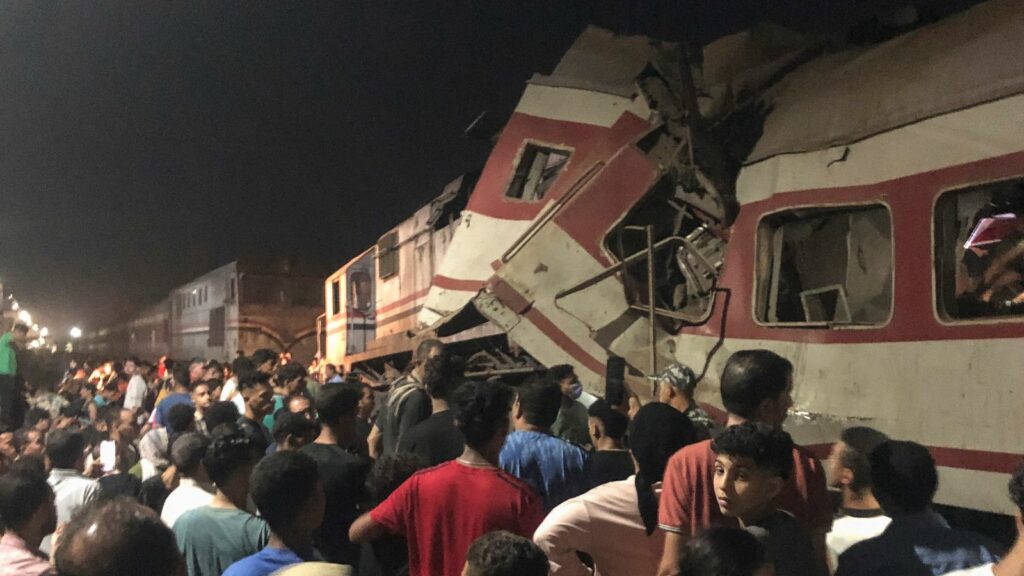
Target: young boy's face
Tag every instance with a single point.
(742, 489)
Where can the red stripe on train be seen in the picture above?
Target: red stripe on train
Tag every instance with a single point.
(979, 460)
(458, 284)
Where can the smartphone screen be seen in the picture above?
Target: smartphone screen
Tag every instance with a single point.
(108, 454)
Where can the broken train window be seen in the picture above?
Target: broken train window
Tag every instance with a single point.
(689, 252)
(825, 266)
(979, 251)
(536, 171)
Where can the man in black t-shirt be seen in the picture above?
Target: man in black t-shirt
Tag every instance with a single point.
(259, 401)
(436, 439)
(610, 460)
(343, 473)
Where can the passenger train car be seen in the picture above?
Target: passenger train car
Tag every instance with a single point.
(241, 306)
(859, 211)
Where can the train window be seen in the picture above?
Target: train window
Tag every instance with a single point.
(335, 297)
(537, 170)
(387, 255)
(231, 289)
(360, 291)
(825, 266)
(979, 251)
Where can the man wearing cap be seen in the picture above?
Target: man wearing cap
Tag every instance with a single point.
(675, 386)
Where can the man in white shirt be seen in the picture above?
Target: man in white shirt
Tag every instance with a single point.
(616, 523)
(850, 471)
(135, 395)
(229, 391)
(1013, 562)
(195, 488)
(71, 490)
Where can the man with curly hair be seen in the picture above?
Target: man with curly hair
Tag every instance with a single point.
(501, 553)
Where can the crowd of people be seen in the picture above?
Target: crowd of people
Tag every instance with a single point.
(262, 467)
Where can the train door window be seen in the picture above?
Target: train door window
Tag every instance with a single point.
(825, 267)
(979, 252)
(536, 171)
(359, 291)
(231, 290)
(335, 297)
(387, 255)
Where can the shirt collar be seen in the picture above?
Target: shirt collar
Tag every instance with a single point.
(857, 513)
(910, 522)
(65, 473)
(12, 540)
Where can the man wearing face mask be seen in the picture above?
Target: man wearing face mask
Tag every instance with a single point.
(571, 424)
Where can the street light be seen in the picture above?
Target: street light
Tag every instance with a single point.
(25, 317)
(76, 332)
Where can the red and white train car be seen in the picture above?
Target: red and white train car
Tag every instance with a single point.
(878, 240)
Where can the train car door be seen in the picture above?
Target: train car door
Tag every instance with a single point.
(361, 314)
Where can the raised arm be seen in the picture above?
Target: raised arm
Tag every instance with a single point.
(366, 529)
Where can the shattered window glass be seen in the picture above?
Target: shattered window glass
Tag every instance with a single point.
(537, 170)
(979, 247)
(825, 266)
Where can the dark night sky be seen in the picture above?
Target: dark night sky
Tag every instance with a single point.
(143, 143)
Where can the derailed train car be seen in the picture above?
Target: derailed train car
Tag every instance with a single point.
(858, 211)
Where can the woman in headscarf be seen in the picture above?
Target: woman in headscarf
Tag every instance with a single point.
(615, 523)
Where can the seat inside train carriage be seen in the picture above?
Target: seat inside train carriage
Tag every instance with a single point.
(980, 251)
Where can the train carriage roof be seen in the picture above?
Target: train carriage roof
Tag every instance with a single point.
(974, 57)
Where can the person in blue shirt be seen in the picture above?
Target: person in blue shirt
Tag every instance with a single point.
(287, 491)
(556, 469)
(918, 542)
(180, 395)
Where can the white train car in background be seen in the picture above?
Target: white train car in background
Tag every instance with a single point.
(373, 301)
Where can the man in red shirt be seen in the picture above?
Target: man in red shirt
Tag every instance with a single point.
(442, 510)
(756, 385)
